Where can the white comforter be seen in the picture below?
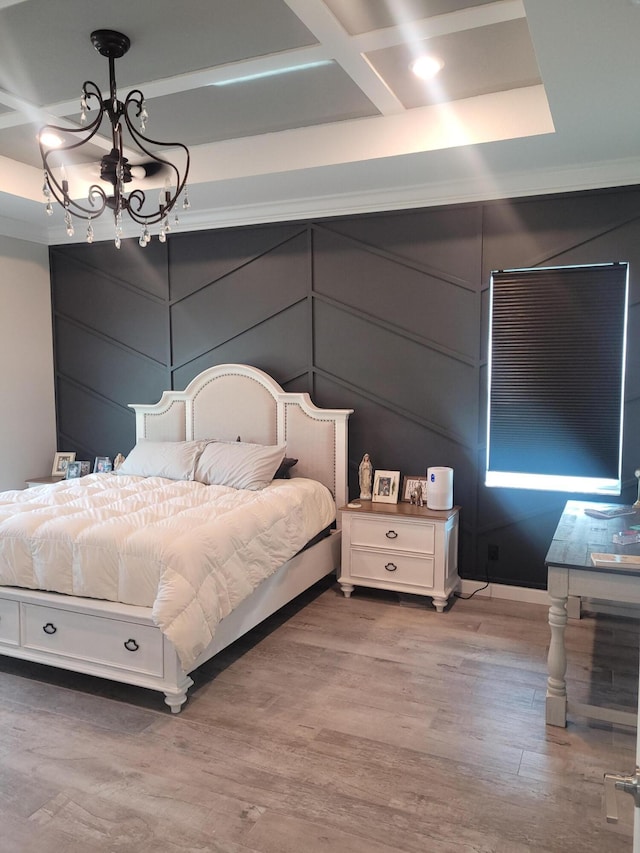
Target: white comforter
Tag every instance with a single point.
(191, 552)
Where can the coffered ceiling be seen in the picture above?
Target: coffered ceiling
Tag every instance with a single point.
(296, 108)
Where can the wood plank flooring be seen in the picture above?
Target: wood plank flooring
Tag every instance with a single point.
(368, 725)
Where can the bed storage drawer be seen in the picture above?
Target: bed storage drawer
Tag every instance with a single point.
(9, 622)
(92, 638)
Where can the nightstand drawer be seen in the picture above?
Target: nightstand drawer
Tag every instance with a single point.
(9, 622)
(391, 533)
(394, 568)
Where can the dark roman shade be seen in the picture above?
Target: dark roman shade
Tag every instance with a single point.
(557, 339)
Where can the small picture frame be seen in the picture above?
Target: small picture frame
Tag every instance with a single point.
(386, 486)
(409, 487)
(102, 465)
(85, 468)
(74, 470)
(60, 462)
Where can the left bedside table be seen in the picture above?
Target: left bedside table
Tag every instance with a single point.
(401, 547)
(42, 481)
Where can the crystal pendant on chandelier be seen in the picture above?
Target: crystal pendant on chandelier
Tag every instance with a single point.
(127, 142)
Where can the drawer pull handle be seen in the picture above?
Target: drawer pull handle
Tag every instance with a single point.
(391, 567)
(49, 628)
(131, 645)
(391, 534)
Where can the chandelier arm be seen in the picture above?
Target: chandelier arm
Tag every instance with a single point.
(58, 189)
(90, 130)
(92, 90)
(77, 209)
(142, 142)
(135, 97)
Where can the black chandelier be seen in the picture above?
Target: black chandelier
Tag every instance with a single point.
(115, 168)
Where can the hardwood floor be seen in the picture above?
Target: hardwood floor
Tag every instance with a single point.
(368, 725)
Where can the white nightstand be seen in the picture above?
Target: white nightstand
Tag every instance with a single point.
(42, 481)
(402, 547)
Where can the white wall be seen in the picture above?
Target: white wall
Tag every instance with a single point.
(27, 406)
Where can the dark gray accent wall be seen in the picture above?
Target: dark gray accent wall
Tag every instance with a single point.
(384, 313)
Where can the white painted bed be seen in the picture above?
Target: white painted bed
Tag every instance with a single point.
(119, 641)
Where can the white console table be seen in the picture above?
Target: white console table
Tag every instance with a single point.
(572, 573)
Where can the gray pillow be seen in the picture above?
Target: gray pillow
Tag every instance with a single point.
(175, 460)
(239, 465)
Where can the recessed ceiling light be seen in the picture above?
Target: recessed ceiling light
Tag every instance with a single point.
(426, 67)
(50, 140)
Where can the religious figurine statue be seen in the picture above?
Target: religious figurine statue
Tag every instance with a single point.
(117, 462)
(365, 477)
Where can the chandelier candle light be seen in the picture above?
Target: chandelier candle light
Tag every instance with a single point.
(115, 168)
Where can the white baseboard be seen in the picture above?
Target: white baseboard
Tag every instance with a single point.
(504, 591)
(541, 596)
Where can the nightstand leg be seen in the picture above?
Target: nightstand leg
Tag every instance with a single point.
(347, 588)
(440, 603)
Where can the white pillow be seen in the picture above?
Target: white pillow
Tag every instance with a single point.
(238, 464)
(175, 460)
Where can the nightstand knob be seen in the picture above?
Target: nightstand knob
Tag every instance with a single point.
(391, 567)
(391, 534)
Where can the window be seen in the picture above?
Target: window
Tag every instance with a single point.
(557, 341)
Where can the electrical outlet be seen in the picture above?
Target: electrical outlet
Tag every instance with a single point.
(493, 552)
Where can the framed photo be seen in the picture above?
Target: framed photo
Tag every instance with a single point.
(85, 468)
(102, 465)
(74, 470)
(410, 487)
(60, 462)
(386, 486)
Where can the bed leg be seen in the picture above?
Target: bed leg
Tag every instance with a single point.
(175, 699)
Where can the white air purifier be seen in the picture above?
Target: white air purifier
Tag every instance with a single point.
(439, 488)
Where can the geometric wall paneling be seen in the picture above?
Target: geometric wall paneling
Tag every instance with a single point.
(439, 311)
(396, 442)
(385, 313)
(279, 345)
(116, 309)
(516, 563)
(105, 367)
(146, 271)
(406, 375)
(619, 243)
(243, 298)
(442, 240)
(203, 257)
(92, 423)
(533, 232)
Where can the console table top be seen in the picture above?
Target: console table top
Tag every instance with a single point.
(578, 535)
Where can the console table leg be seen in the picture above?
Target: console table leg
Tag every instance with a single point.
(556, 714)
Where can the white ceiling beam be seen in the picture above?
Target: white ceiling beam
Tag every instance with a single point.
(329, 32)
(441, 25)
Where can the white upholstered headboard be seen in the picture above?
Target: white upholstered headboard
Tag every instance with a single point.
(231, 400)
